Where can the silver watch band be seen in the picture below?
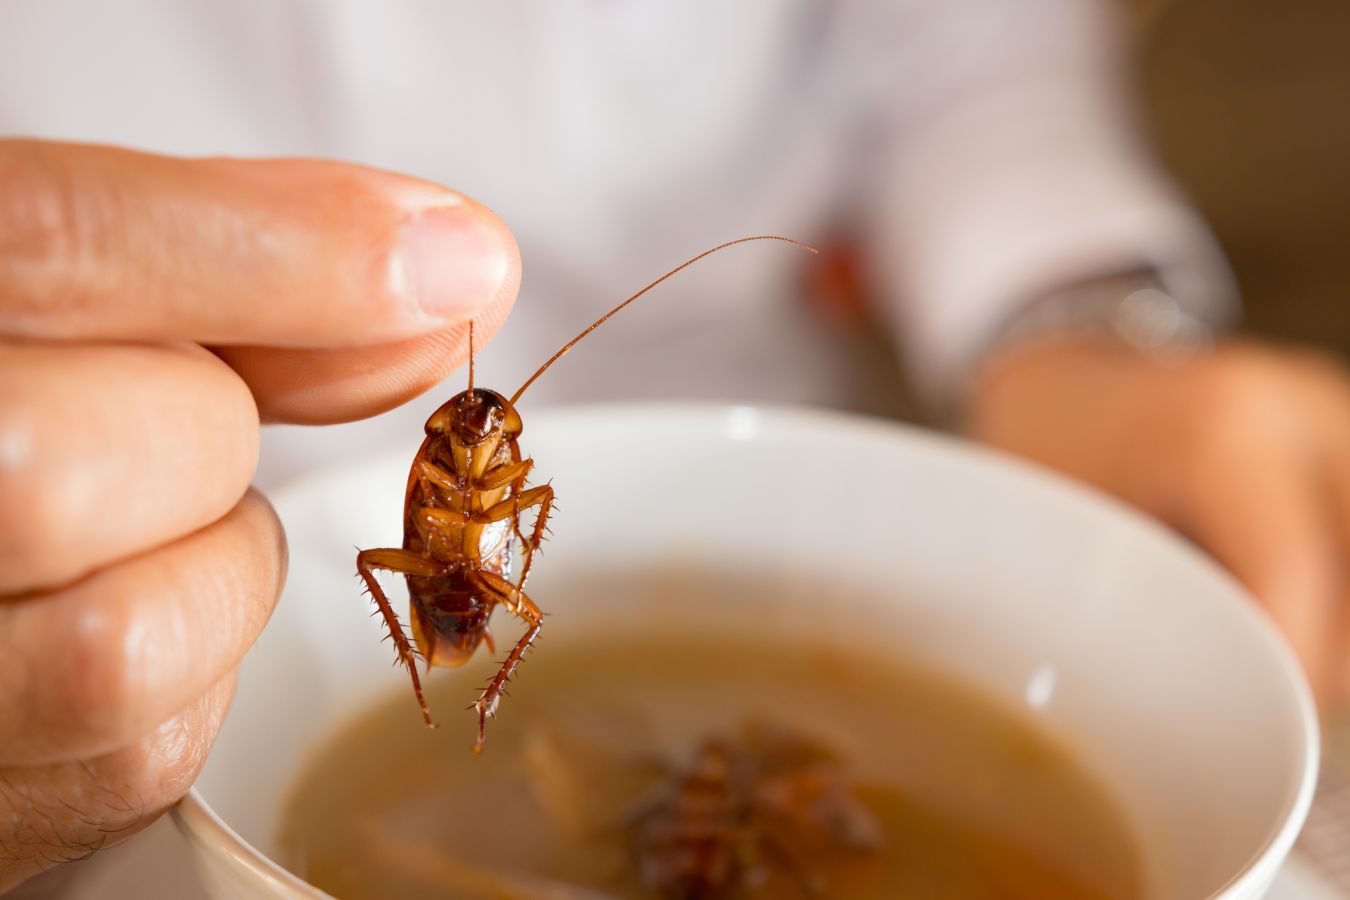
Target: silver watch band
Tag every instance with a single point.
(1132, 308)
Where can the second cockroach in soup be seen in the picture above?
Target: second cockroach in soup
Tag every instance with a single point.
(462, 525)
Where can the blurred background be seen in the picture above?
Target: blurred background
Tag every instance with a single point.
(1243, 102)
(1246, 102)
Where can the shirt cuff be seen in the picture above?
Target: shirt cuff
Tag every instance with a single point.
(1020, 190)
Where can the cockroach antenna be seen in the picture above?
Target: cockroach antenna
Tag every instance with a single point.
(471, 356)
(600, 321)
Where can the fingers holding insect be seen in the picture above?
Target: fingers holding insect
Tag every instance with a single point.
(89, 667)
(321, 387)
(107, 449)
(108, 243)
(373, 275)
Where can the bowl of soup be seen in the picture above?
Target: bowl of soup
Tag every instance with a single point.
(784, 653)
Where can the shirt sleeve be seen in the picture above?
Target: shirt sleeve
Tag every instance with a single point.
(1018, 171)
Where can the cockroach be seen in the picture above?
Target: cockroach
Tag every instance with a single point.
(462, 523)
(752, 805)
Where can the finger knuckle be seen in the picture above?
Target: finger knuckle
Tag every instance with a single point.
(73, 681)
(68, 811)
(174, 758)
(97, 689)
(161, 766)
(158, 771)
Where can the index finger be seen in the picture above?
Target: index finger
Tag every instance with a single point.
(324, 386)
(105, 243)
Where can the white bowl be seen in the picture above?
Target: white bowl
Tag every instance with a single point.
(1173, 686)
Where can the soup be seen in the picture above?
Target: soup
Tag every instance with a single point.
(931, 789)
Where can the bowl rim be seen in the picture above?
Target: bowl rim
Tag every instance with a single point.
(199, 822)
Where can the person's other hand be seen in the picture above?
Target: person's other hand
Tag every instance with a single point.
(136, 566)
(1245, 450)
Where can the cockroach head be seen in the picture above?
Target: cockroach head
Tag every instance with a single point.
(473, 416)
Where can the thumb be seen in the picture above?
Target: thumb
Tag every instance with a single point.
(104, 243)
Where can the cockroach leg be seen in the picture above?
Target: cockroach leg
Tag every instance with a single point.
(512, 506)
(486, 705)
(431, 473)
(517, 488)
(530, 545)
(404, 562)
(505, 474)
(409, 564)
(516, 602)
(436, 526)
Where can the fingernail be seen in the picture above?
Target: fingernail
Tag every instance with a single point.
(454, 261)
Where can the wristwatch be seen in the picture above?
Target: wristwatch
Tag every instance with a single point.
(1132, 308)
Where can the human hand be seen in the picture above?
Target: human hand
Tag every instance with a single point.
(1245, 450)
(136, 566)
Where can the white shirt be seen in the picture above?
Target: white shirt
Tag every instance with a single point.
(982, 148)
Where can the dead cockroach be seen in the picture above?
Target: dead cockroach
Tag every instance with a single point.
(461, 523)
(754, 814)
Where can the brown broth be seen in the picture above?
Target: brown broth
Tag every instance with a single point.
(974, 801)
